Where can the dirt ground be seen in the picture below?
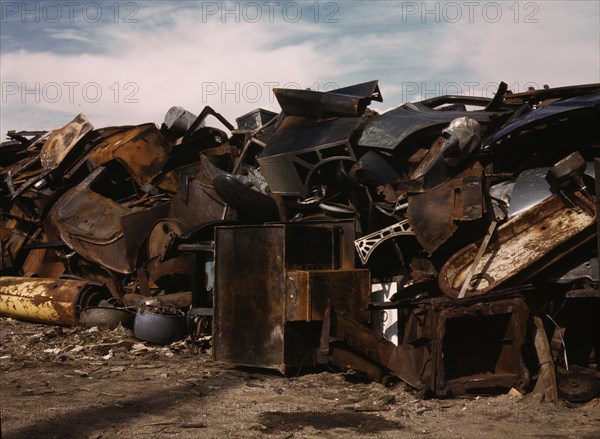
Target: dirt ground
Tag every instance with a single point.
(84, 383)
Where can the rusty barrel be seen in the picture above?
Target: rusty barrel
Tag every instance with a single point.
(52, 301)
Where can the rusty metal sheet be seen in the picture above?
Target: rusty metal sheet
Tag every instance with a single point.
(13, 237)
(90, 224)
(162, 237)
(458, 141)
(100, 229)
(178, 265)
(21, 175)
(249, 300)
(432, 214)
(479, 345)
(43, 262)
(251, 267)
(415, 333)
(343, 102)
(98, 136)
(51, 301)
(350, 344)
(61, 141)
(431, 171)
(136, 227)
(309, 291)
(524, 245)
(141, 149)
(196, 201)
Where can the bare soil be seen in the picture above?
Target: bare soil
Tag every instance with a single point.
(81, 383)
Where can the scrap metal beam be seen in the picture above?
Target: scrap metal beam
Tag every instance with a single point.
(52, 301)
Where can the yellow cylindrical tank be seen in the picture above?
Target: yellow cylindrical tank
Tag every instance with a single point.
(44, 300)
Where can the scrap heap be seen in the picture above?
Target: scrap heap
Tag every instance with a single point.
(451, 248)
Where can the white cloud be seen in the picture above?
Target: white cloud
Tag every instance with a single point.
(555, 43)
(229, 66)
(172, 57)
(69, 35)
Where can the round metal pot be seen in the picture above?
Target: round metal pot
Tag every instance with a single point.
(107, 317)
(159, 328)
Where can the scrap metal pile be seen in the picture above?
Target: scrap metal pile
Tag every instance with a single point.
(449, 243)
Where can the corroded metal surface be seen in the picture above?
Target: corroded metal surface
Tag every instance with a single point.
(52, 301)
(309, 291)
(479, 345)
(262, 318)
(101, 229)
(432, 214)
(136, 207)
(350, 344)
(447, 346)
(249, 296)
(524, 245)
(62, 141)
(142, 150)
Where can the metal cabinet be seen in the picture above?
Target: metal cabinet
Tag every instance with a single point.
(272, 285)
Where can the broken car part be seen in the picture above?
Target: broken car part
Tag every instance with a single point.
(524, 245)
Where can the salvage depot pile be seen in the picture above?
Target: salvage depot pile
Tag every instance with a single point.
(453, 249)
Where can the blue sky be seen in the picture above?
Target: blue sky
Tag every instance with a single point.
(124, 63)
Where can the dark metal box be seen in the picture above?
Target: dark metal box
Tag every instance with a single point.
(272, 283)
(254, 119)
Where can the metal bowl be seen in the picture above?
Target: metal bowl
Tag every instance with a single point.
(107, 317)
(159, 328)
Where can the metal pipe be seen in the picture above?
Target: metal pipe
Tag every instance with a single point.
(51, 301)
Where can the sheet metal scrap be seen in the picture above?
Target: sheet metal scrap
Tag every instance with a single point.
(142, 150)
(432, 214)
(102, 191)
(478, 344)
(94, 226)
(43, 260)
(315, 129)
(300, 146)
(524, 245)
(197, 201)
(273, 281)
(133, 205)
(351, 344)
(419, 122)
(55, 148)
(446, 346)
(342, 102)
(62, 141)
